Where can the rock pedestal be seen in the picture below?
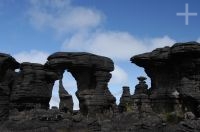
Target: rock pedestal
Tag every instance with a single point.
(141, 101)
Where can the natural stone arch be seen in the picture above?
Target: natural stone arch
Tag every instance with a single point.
(92, 73)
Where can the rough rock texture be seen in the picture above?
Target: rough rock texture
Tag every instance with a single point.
(140, 98)
(7, 74)
(125, 100)
(32, 87)
(92, 74)
(170, 105)
(175, 75)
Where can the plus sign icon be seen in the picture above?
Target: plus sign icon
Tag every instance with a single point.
(187, 14)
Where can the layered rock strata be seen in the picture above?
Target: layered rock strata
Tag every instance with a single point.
(32, 87)
(175, 76)
(92, 74)
(7, 76)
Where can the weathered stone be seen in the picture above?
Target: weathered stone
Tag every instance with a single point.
(173, 69)
(125, 100)
(7, 75)
(141, 88)
(92, 74)
(140, 98)
(174, 94)
(33, 87)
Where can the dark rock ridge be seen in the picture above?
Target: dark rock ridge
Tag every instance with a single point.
(171, 104)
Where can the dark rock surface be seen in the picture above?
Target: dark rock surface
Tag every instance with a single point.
(175, 75)
(32, 87)
(172, 104)
(92, 74)
(7, 76)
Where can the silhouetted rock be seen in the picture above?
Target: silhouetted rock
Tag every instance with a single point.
(92, 74)
(172, 70)
(7, 76)
(141, 101)
(125, 100)
(172, 104)
(33, 87)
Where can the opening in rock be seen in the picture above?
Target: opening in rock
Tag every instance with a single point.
(70, 86)
(17, 70)
(55, 100)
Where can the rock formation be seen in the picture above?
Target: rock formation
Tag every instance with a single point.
(92, 74)
(172, 103)
(175, 75)
(7, 76)
(32, 87)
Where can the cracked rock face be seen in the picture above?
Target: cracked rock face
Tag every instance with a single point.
(173, 69)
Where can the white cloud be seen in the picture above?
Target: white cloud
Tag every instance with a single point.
(161, 42)
(116, 45)
(62, 16)
(33, 56)
(198, 40)
(119, 76)
(84, 24)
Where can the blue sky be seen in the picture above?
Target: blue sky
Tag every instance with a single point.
(30, 30)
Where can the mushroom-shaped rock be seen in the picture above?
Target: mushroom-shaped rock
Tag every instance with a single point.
(170, 69)
(92, 73)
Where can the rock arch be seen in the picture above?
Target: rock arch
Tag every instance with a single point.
(92, 73)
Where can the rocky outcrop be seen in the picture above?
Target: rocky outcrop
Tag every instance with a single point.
(175, 77)
(171, 104)
(7, 76)
(32, 87)
(92, 74)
